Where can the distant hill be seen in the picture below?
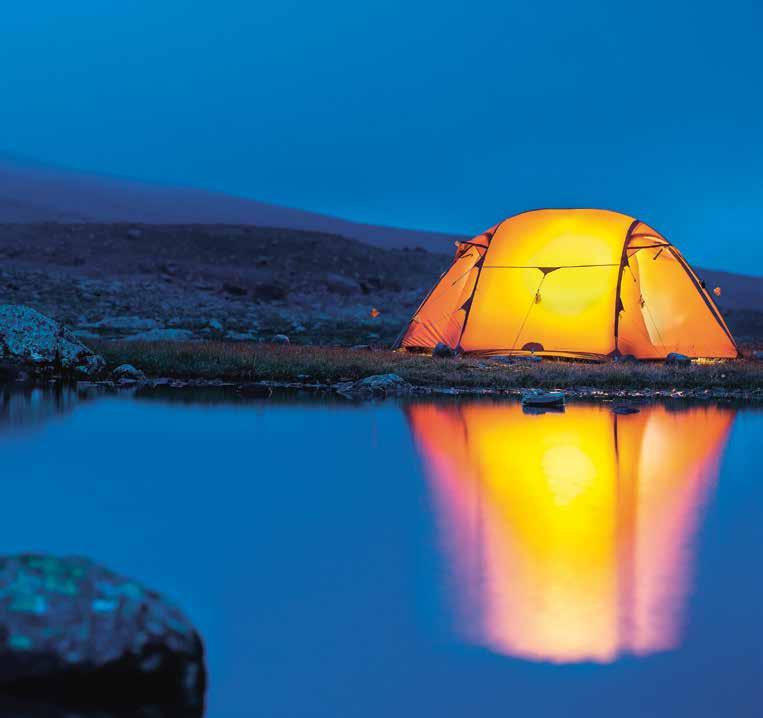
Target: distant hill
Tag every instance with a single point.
(31, 192)
(39, 193)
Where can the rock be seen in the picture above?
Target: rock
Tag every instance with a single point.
(538, 397)
(162, 335)
(134, 233)
(30, 338)
(676, 359)
(270, 292)
(127, 371)
(377, 385)
(69, 626)
(280, 339)
(339, 284)
(362, 347)
(442, 351)
(234, 289)
(757, 355)
(626, 359)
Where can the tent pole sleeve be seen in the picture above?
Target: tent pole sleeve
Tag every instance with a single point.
(481, 262)
(623, 262)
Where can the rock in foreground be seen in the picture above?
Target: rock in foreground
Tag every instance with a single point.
(30, 338)
(72, 629)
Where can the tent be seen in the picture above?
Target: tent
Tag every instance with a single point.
(582, 283)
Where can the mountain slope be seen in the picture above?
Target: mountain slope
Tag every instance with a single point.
(38, 193)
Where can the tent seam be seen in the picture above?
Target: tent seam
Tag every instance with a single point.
(476, 283)
(618, 286)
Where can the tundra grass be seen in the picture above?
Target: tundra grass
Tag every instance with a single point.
(309, 364)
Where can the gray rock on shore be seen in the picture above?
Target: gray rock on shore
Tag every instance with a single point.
(377, 385)
(676, 359)
(127, 371)
(540, 398)
(70, 628)
(442, 351)
(30, 338)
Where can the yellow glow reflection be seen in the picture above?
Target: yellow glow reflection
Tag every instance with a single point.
(569, 535)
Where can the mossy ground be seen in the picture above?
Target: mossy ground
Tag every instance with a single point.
(310, 364)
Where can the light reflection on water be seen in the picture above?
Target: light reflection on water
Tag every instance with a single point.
(458, 560)
(569, 535)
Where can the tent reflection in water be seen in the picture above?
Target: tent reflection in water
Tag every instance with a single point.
(568, 537)
(582, 283)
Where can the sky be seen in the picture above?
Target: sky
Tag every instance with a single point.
(435, 115)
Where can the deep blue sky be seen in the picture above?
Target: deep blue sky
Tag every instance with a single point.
(443, 115)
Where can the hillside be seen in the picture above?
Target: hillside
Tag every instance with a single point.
(39, 193)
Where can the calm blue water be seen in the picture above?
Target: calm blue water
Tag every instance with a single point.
(446, 560)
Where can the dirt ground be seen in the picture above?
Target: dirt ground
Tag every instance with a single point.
(223, 282)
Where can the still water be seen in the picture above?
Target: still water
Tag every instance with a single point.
(444, 559)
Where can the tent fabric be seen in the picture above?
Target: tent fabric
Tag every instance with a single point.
(583, 283)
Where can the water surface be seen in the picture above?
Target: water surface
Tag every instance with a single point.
(450, 559)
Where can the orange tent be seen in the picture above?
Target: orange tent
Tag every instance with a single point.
(583, 283)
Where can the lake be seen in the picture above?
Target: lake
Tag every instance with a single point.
(420, 558)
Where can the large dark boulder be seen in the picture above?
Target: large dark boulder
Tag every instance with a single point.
(31, 339)
(74, 632)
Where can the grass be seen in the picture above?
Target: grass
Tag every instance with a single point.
(256, 362)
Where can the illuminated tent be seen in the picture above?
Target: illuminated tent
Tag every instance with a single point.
(583, 283)
(569, 536)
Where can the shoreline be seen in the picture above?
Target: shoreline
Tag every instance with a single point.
(256, 370)
(315, 368)
(262, 389)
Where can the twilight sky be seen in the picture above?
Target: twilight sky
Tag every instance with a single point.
(441, 115)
